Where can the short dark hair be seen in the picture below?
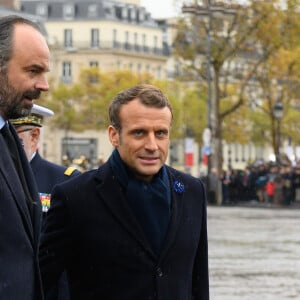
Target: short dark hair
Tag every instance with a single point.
(147, 94)
(7, 25)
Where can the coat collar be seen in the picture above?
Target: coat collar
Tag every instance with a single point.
(112, 195)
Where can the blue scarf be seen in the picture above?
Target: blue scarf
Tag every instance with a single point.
(149, 201)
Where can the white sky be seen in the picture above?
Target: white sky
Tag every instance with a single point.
(160, 8)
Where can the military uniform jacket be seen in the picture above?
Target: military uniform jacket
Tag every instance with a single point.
(92, 232)
(47, 175)
(19, 231)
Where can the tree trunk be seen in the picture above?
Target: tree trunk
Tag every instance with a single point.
(216, 130)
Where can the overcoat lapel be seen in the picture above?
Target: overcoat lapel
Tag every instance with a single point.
(31, 223)
(177, 202)
(35, 220)
(15, 186)
(113, 197)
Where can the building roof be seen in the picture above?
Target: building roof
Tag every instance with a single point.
(4, 11)
(54, 10)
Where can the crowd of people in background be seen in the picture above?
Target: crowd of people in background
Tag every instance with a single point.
(269, 182)
(261, 181)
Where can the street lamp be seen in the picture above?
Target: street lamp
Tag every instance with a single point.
(278, 114)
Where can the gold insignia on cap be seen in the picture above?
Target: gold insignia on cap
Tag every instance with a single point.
(35, 118)
(29, 120)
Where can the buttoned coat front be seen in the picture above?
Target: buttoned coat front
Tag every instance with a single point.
(92, 232)
(19, 230)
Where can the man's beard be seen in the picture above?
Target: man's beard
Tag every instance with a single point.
(11, 105)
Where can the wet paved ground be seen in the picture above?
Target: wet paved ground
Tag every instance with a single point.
(254, 253)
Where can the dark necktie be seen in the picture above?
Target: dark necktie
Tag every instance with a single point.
(14, 153)
(12, 147)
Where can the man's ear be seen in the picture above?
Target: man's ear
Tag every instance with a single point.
(113, 135)
(35, 133)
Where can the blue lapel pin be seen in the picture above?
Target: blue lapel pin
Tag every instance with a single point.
(178, 187)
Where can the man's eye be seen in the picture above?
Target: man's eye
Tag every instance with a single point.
(161, 133)
(138, 132)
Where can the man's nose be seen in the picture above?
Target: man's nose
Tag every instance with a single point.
(42, 84)
(151, 143)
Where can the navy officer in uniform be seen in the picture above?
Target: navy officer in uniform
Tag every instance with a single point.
(46, 173)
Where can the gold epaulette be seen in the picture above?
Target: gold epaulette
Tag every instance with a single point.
(69, 171)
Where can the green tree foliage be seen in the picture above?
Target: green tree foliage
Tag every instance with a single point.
(194, 113)
(189, 108)
(278, 77)
(236, 128)
(260, 128)
(84, 105)
(242, 39)
(100, 92)
(64, 100)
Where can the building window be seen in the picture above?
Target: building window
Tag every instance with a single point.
(66, 72)
(127, 45)
(115, 41)
(144, 42)
(141, 14)
(139, 68)
(92, 10)
(124, 13)
(95, 38)
(79, 148)
(155, 44)
(68, 39)
(158, 72)
(93, 78)
(42, 9)
(132, 14)
(94, 63)
(136, 42)
(69, 11)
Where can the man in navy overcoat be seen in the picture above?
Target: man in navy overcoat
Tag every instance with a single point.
(135, 229)
(24, 63)
(19, 229)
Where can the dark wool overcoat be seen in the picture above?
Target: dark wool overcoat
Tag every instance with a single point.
(19, 230)
(92, 233)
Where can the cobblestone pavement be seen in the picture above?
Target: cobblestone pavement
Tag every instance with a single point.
(254, 253)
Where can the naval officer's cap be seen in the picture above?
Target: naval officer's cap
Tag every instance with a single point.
(35, 118)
